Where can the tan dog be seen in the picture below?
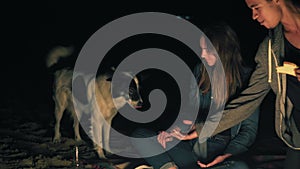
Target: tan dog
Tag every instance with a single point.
(104, 109)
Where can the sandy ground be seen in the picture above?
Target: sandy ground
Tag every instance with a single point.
(26, 133)
(27, 143)
(28, 146)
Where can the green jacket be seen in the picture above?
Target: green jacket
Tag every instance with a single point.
(262, 80)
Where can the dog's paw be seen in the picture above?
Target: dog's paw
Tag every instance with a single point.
(56, 140)
(78, 139)
(100, 152)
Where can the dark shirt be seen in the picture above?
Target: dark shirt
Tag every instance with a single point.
(292, 54)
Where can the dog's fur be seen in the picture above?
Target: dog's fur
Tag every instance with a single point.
(62, 95)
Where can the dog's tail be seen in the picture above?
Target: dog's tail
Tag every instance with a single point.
(57, 53)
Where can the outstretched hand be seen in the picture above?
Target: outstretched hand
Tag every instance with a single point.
(202, 165)
(216, 161)
(164, 137)
(176, 132)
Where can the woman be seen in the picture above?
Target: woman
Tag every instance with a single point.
(224, 145)
(282, 18)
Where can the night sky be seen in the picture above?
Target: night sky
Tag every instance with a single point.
(32, 29)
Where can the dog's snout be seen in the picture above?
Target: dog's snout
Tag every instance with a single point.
(140, 103)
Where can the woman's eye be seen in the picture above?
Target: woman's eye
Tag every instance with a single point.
(257, 8)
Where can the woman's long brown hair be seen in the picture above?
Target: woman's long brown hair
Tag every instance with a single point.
(226, 43)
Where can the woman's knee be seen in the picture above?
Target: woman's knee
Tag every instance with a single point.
(236, 164)
(240, 165)
(142, 133)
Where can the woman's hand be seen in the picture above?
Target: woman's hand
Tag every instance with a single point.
(164, 137)
(218, 160)
(176, 132)
(202, 165)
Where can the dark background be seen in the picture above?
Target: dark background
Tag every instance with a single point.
(31, 29)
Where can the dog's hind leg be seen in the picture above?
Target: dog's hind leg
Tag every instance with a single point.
(60, 105)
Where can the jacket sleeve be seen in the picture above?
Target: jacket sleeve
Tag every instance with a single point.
(245, 137)
(248, 101)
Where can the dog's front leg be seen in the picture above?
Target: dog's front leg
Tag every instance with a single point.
(58, 116)
(96, 131)
(106, 135)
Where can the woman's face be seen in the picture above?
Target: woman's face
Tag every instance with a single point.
(267, 13)
(207, 54)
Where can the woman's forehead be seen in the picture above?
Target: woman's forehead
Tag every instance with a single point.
(254, 3)
(202, 41)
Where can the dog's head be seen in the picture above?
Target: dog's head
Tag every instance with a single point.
(135, 99)
(127, 94)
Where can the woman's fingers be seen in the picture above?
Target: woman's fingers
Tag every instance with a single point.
(163, 138)
(160, 138)
(201, 164)
(187, 122)
(178, 135)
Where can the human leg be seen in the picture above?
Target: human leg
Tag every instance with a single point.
(147, 148)
(182, 154)
(231, 164)
(179, 154)
(215, 147)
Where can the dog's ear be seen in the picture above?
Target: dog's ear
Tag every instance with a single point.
(123, 74)
(128, 74)
(113, 68)
(109, 72)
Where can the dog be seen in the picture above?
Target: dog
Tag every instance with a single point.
(98, 89)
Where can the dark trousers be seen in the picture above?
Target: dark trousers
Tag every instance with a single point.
(182, 154)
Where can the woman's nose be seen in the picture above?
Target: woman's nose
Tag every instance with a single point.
(204, 53)
(254, 14)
